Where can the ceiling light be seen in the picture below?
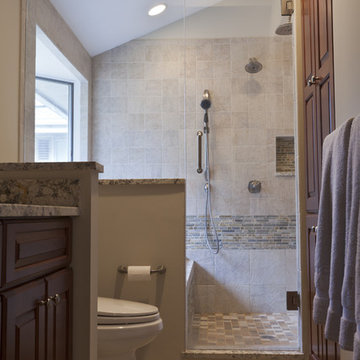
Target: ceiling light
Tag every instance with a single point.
(157, 9)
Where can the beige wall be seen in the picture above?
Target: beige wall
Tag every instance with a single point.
(346, 66)
(12, 67)
(346, 58)
(145, 225)
(43, 14)
(10, 30)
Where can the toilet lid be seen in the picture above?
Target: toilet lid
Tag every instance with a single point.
(116, 311)
(123, 320)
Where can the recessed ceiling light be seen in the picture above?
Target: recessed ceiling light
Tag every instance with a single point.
(157, 9)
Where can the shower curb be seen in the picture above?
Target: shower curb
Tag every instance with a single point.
(243, 355)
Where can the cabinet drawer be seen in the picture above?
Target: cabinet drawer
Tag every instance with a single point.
(35, 247)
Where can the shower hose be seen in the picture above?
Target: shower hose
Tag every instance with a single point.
(210, 227)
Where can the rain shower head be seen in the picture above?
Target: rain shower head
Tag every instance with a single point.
(253, 66)
(284, 29)
(206, 102)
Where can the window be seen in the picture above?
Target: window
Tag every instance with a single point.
(54, 109)
(59, 129)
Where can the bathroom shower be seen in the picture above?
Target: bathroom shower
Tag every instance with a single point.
(213, 241)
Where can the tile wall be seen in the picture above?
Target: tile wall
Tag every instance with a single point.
(243, 281)
(139, 116)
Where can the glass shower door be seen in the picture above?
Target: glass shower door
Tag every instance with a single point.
(237, 297)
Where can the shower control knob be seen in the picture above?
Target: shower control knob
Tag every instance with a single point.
(314, 80)
(254, 186)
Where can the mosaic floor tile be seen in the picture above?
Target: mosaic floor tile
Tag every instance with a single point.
(277, 331)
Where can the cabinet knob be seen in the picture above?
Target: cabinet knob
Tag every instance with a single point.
(314, 229)
(314, 80)
(45, 302)
(56, 299)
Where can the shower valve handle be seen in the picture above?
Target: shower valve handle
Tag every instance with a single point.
(199, 136)
(314, 80)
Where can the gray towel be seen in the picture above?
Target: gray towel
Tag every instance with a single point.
(356, 143)
(348, 325)
(338, 194)
(330, 244)
(323, 240)
(357, 298)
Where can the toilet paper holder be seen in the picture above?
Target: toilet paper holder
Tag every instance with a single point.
(161, 269)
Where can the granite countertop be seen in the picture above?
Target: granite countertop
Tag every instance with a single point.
(23, 210)
(142, 182)
(53, 166)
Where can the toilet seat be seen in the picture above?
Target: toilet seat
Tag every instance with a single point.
(121, 312)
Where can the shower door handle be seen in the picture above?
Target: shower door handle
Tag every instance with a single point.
(199, 136)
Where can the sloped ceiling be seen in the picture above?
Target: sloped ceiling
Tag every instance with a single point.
(101, 25)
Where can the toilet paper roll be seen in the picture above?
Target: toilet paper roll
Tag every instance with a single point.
(139, 273)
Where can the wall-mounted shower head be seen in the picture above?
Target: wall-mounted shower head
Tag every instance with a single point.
(284, 29)
(287, 9)
(206, 102)
(253, 66)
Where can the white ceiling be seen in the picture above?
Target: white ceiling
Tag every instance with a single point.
(106, 24)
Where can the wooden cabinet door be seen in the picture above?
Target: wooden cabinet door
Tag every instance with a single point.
(58, 287)
(311, 153)
(324, 68)
(319, 94)
(320, 348)
(310, 108)
(35, 248)
(308, 16)
(24, 322)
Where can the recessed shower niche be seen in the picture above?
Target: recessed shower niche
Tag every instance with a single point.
(285, 156)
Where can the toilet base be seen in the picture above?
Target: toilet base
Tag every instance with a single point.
(119, 342)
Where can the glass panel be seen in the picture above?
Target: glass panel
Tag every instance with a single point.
(53, 120)
(241, 224)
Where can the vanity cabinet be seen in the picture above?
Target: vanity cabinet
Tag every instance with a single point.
(36, 289)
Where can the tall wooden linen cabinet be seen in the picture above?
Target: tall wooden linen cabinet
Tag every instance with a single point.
(319, 121)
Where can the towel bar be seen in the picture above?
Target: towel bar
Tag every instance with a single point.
(161, 269)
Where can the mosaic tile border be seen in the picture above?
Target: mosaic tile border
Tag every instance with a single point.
(245, 232)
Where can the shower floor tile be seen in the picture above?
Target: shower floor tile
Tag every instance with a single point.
(277, 331)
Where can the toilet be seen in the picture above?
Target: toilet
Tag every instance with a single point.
(124, 326)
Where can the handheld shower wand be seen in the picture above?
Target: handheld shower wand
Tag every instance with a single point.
(212, 239)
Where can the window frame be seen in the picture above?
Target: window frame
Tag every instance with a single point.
(70, 112)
